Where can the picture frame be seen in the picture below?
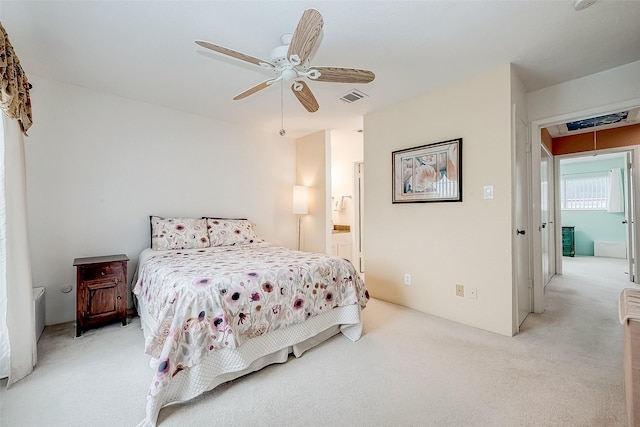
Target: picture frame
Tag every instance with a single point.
(428, 173)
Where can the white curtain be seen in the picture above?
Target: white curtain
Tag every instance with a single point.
(4, 332)
(615, 196)
(18, 348)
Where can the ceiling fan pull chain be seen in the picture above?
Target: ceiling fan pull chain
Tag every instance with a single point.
(282, 131)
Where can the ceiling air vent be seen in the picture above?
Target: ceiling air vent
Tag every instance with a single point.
(353, 96)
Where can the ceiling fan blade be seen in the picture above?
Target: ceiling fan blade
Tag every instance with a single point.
(305, 96)
(234, 54)
(306, 35)
(253, 90)
(344, 75)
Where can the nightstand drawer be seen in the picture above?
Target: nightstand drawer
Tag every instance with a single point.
(106, 270)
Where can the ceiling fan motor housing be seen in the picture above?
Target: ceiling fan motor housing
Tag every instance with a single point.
(287, 68)
(279, 56)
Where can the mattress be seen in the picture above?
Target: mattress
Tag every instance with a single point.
(210, 315)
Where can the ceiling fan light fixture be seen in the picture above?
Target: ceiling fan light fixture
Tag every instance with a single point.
(289, 74)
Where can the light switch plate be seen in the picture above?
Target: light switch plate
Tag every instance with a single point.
(488, 191)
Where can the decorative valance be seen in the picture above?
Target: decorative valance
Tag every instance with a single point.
(14, 86)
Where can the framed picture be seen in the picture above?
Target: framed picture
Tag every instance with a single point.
(429, 173)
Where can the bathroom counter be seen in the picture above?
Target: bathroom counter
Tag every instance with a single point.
(341, 241)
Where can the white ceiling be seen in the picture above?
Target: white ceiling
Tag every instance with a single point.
(145, 50)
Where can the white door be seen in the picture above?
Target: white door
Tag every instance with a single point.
(630, 216)
(521, 217)
(547, 227)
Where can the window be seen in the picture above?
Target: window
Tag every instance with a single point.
(584, 192)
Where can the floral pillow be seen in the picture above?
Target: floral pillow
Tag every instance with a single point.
(229, 232)
(178, 233)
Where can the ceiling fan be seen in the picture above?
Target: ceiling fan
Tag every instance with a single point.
(290, 62)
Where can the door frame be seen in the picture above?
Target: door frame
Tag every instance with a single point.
(551, 220)
(631, 213)
(628, 151)
(358, 214)
(536, 141)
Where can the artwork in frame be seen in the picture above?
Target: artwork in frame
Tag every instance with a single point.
(428, 173)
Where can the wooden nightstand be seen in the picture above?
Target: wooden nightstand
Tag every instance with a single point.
(101, 291)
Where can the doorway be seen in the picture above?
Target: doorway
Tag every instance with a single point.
(537, 157)
(593, 209)
(347, 195)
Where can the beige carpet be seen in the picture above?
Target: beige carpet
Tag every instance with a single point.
(409, 369)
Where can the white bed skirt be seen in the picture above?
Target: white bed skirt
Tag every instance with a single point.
(227, 364)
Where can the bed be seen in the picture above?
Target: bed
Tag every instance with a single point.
(217, 302)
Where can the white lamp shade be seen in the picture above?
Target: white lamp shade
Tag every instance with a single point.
(300, 200)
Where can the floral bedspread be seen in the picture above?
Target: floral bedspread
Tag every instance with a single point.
(218, 297)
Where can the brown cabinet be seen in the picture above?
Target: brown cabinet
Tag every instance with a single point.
(101, 292)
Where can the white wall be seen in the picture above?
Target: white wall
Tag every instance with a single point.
(99, 165)
(444, 244)
(594, 92)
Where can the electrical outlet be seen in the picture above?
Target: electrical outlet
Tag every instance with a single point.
(473, 293)
(407, 279)
(460, 290)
